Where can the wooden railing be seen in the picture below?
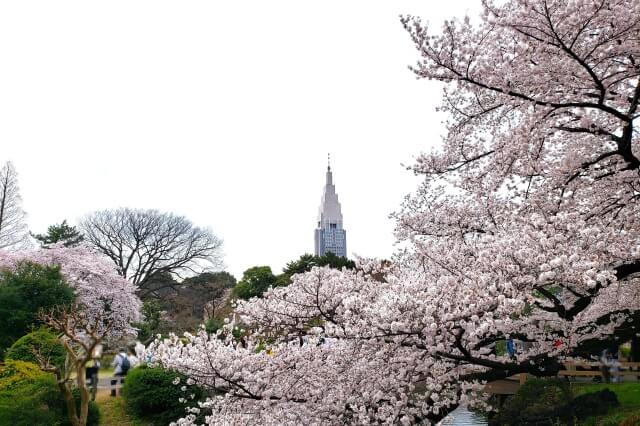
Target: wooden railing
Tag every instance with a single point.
(593, 369)
(629, 371)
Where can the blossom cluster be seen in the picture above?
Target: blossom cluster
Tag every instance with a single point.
(526, 227)
(102, 296)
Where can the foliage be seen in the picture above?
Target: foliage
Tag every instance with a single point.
(184, 306)
(255, 281)
(150, 326)
(534, 189)
(105, 305)
(29, 396)
(550, 401)
(198, 298)
(102, 297)
(213, 324)
(628, 394)
(13, 228)
(64, 234)
(150, 393)
(24, 291)
(537, 402)
(13, 372)
(207, 279)
(43, 342)
(94, 416)
(594, 404)
(144, 243)
(308, 261)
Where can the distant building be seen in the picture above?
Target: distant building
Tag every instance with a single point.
(329, 235)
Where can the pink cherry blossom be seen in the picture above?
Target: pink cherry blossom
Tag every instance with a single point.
(526, 226)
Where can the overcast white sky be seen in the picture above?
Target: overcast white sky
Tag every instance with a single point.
(220, 111)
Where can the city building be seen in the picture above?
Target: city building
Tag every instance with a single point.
(330, 236)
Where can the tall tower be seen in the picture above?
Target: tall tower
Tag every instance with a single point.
(329, 235)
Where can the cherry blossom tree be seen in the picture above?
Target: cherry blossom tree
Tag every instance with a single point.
(104, 308)
(525, 227)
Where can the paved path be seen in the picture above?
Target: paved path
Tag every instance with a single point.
(105, 382)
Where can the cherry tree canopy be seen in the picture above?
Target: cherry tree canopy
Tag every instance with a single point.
(105, 300)
(526, 226)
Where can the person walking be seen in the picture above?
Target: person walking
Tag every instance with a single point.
(93, 371)
(121, 366)
(605, 366)
(121, 363)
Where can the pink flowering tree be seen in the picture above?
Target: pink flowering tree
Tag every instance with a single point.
(525, 227)
(105, 306)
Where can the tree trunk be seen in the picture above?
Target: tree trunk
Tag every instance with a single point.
(65, 389)
(81, 382)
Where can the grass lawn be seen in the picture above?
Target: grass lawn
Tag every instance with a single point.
(113, 412)
(628, 394)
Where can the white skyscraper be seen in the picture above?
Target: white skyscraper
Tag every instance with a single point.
(329, 235)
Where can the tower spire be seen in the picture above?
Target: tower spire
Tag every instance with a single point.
(330, 236)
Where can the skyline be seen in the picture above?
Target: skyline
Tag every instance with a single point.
(219, 113)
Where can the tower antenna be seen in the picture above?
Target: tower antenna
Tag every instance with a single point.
(329, 161)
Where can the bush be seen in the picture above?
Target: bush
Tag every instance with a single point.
(93, 416)
(150, 394)
(29, 396)
(538, 402)
(212, 325)
(23, 293)
(44, 341)
(594, 404)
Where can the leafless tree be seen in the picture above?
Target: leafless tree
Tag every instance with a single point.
(13, 229)
(145, 244)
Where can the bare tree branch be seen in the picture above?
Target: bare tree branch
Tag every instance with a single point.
(146, 243)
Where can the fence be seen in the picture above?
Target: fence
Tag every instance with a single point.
(592, 369)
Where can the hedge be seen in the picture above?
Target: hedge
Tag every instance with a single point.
(43, 341)
(150, 394)
(29, 396)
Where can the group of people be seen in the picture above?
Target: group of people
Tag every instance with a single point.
(124, 361)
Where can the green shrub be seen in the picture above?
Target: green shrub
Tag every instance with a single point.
(44, 341)
(23, 293)
(150, 394)
(212, 325)
(29, 396)
(538, 402)
(93, 416)
(594, 404)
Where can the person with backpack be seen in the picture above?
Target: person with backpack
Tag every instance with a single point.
(121, 363)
